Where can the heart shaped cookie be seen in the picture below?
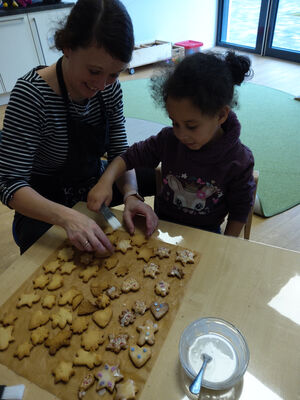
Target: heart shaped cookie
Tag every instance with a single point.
(139, 355)
(159, 309)
(102, 317)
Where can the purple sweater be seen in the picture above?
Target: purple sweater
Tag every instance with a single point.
(199, 187)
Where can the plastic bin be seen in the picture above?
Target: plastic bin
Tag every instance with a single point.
(190, 46)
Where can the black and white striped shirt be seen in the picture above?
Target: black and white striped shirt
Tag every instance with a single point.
(34, 137)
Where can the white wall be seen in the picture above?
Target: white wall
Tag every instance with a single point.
(174, 20)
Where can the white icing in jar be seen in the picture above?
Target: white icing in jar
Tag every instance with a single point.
(224, 360)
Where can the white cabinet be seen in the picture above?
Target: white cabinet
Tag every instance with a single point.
(27, 41)
(17, 50)
(43, 26)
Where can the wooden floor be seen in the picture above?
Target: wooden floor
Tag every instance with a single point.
(282, 230)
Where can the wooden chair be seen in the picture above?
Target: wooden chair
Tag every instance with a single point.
(247, 226)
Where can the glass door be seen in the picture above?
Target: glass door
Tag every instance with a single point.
(266, 27)
(283, 38)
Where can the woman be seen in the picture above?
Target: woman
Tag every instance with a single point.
(60, 120)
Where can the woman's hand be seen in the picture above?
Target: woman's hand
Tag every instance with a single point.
(85, 234)
(99, 194)
(134, 206)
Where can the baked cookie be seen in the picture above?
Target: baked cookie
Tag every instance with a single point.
(145, 253)
(123, 245)
(140, 307)
(92, 339)
(159, 309)
(103, 301)
(49, 301)
(61, 318)
(98, 287)
(138, 239)
(87, 358)
(61, 339)
(38, 318)
(113, 292)
(108, 230)
(151, 269)
(76, 301)
(126, 317)
(117, 342)
(147, 332)
(162, 288)
(66, 254)
(56, 282)
(28, 299)
(88, 273)
(23, 350)
(107, 377)
(6, 337)
(41, 281)
(102, 317)
(67, 268)
(39, 335)
(86, 308)
(139, 355)
(185, 256)
(52, 266)
(86, 258)
(162, 252)
(80, 324)
(130, 285)
(8, 319)
(176, 271)
(85, 384)
(122, 270)
(63, 371)
(126, 390)
(68, 296)
(111, 262)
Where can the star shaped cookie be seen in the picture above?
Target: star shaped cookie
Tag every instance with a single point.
(117, 343)
(107, 377)
(151, 270)
(185, 256)
(63, 371)
(123, 245)
(126, 390)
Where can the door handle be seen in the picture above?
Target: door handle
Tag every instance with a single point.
(11, 20)
(2, 84)
(38, 46)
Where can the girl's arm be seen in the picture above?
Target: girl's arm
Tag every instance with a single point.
(102, 193)
(233, 228)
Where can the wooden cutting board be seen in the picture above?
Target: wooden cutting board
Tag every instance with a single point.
(37, 368)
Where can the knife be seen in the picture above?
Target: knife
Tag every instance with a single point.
(110, 217)
(11, 392)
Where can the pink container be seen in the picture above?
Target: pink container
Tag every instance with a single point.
(190, 46)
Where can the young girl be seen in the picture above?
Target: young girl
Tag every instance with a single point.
(206, 170)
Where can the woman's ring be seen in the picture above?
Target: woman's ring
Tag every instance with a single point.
(86, 243)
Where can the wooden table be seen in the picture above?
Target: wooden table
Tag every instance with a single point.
(254, 286)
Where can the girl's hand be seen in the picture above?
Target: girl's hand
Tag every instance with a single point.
(134, 206)
(99, 194)
(85, 234)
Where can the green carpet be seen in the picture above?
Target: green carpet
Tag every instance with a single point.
(270, 127)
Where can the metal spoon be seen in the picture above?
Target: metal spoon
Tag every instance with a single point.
(195, 386)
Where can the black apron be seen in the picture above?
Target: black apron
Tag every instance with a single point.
(82, 169)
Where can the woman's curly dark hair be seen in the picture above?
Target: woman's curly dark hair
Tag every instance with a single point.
(104, 22)
(207, 79)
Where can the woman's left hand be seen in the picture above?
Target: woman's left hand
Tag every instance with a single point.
(134, 206)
